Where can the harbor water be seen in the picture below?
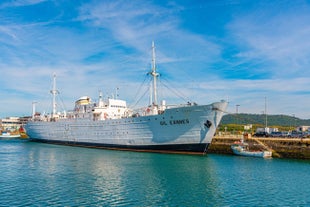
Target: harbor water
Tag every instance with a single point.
(36, 174)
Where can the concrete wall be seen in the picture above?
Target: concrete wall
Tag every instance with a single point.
(281, 147)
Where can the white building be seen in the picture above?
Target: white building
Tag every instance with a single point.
(303, 128)
(267, 129)
(12, 123)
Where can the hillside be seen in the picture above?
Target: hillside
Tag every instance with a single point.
(260, 119)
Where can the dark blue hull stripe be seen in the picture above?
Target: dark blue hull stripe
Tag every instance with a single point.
(172, 148)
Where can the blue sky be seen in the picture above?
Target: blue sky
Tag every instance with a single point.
(238, 50)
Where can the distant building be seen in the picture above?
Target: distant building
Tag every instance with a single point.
(13, 123)
(303, 128)
(267, 129)
(248, 127)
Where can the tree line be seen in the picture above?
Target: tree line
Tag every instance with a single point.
(236, 122)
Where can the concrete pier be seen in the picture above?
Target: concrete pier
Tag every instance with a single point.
(298, 148)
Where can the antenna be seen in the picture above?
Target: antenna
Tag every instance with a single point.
(116, 92)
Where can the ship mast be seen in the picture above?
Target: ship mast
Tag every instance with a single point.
(154, 74)
(54, 92)
(34, 109)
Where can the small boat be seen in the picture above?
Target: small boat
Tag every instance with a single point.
(8, 135)
(22, 132)
(242, 148)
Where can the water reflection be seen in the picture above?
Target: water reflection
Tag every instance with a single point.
(52, 175)
(123, 178)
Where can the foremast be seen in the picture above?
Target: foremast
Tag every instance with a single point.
(54, 93)
(153, 90)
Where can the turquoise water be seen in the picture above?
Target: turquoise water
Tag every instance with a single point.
(35, 174)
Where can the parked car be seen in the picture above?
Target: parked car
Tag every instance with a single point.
(276, 134)
(307, 134)
(261, 134)
(285, 134)
(296, 134)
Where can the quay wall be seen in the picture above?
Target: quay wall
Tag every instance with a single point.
(297, 148)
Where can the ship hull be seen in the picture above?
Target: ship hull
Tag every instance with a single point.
(187, 129)
(172, 148)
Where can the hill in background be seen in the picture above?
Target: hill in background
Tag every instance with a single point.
(260, 119)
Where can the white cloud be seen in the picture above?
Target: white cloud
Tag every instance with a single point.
(136, 28)
(19, 3)
(278, 38)
(289, 96)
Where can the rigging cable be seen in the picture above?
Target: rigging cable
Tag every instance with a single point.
(176, 92)
(138, 92)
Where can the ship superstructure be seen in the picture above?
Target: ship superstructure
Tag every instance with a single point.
(110, 124)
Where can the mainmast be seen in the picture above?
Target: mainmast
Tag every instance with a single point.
(33, 109)
(154, 74)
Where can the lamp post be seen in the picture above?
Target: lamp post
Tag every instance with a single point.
(237, 107)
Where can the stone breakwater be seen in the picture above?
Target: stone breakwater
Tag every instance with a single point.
(281, 147)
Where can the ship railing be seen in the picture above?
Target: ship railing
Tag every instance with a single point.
(147, 111)
(188, 104)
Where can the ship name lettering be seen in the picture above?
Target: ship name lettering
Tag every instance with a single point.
(181, 121)
(163, 123)
(174, 122)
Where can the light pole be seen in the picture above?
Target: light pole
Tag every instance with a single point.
(237, 107)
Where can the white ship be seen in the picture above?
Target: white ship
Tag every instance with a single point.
(110, 124)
